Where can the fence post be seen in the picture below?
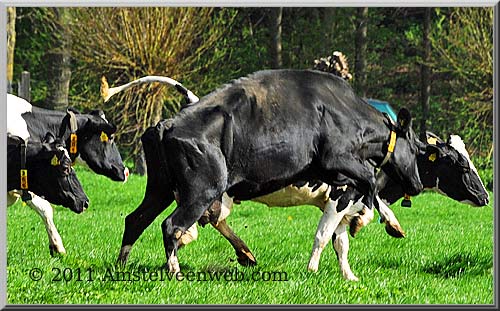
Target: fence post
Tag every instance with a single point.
(24, 90)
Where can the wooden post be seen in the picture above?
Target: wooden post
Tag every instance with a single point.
(24, 90)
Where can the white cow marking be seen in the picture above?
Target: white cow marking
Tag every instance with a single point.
(457, 143)
(16, 125)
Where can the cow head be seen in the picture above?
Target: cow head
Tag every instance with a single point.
(52, 176)
(447, 168)
(402, 165)
(96, 145)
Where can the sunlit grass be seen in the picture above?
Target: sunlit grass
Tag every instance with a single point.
(446, 258)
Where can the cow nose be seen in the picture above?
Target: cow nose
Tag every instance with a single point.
(486, 201)
(85, 205)
(126, 173)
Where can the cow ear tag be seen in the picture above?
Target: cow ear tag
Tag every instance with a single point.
(432, 140)
(406, 201)
(104, 137)
(55, 161)
(432, 157)
(24, 179)
(73, 141)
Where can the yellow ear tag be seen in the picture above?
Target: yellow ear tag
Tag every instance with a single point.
(432, 157)
(392, 142)
(72, 147)
(24, 179)
(104, 137)
(55, 161)
(431, 140)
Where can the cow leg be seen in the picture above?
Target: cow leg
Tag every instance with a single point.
(341, 247)
(44, 209)
(152, 205)
(392, 226)
(243, 253)
(175, 225)
(245, 256)
(327, 225)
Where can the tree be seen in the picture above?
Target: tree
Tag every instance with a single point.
(360, 47)
(58, 60)
(275, 29)
(11, 43)
(126, 43)
(425, 85)
(463, 43)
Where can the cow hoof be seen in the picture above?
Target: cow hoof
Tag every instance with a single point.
(246, 261)
(351, 278)
(57, 251)
(124, 253)
(394, 231)
(246, 258)
(173, 265)
(312, 267)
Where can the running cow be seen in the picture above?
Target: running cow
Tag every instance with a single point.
(259, 134)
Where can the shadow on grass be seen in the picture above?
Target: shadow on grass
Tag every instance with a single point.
(458, 265)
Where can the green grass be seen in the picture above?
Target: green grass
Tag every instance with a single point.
(446, 258)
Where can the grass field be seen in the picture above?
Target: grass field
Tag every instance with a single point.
(446, 258)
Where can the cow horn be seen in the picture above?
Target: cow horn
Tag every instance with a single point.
(107, 92)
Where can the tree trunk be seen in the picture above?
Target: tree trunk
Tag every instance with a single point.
(11, 43)
(360, 47)
(330, 25)
(425, 86)
(276, 15)
(58, 60)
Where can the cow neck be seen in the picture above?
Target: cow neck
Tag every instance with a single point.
(384, 147)
(25, 195)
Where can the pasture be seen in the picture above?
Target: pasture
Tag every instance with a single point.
(446, 257)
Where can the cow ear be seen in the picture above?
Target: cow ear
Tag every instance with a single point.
(74, 110)
(108, 128)
(404, 120)
(49, 138)
(436, 151)
(100, 124)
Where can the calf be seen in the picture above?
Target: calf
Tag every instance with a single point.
(37, 169)
(89, 137)
(259, 134)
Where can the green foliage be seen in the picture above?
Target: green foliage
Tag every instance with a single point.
(446, 257)
(461, 61)
(462, 39)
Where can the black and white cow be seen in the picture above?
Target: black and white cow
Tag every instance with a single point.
(88, 136)
(445, 168)
(448, 162)
(46, 172)
(261, 133)
(93, 140)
